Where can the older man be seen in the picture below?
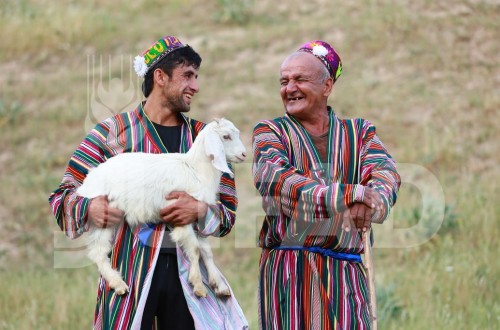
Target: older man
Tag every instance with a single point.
(316, 172)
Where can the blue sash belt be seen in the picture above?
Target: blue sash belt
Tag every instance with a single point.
(145, 232)
(324, 252)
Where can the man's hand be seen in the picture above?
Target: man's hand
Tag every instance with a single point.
(362, 214)
(184, 210)
(372, 199)
(101, 215)
(358, 216)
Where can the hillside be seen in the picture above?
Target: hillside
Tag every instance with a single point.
(426, 73)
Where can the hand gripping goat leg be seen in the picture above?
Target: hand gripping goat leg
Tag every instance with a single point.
(137, 184)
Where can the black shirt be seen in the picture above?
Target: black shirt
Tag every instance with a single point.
(171, 138)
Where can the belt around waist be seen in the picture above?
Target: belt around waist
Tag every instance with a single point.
(354, 257)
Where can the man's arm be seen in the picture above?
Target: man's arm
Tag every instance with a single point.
(214, 220)
(378, 170)
(220, 218)
(72, 211)
(286, 191)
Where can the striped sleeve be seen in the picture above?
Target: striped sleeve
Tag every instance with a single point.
(70, 209)
(221, 217)
(378, 168)
(284, 188)
(228, 203)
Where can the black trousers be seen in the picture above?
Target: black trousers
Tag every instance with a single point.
(166, 301)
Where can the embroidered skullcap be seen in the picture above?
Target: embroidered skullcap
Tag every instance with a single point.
(326, 54)
(154, 54)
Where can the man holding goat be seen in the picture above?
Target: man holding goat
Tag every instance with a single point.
(316, 173)
(153, 268)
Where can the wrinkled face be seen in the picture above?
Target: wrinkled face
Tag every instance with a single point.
(233, 146)
(304, 86)
(181, 88)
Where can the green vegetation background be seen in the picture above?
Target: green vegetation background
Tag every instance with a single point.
(426, 73)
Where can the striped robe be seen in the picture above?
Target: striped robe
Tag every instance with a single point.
(134, 132)
(303, 200)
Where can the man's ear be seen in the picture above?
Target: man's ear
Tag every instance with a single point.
(160, 77)
(328, 86)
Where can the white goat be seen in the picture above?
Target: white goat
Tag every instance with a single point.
(137, 184)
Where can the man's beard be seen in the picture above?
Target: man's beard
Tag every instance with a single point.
(177, 103)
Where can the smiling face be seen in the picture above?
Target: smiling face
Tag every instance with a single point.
(305, 85)
(180, 89)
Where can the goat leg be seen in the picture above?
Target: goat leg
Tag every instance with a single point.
(99, 246)
(186, 238)
(214, 276)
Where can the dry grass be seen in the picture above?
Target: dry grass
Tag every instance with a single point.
(426, 73)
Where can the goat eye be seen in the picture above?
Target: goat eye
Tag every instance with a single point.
(226, 137)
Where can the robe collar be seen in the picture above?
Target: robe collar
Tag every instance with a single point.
(187, 132)
(322, 170)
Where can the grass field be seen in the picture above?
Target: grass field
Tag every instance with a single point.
(426, 73)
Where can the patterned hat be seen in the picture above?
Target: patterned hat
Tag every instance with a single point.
(153, 55)
(326, 54)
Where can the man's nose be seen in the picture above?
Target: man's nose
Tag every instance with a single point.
(291, 86)
(195, 85)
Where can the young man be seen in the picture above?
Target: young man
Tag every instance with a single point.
(315, 173)
(154, 269)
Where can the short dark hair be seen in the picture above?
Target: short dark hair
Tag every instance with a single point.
(182, 56)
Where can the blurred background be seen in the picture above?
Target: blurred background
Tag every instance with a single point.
(425, 73)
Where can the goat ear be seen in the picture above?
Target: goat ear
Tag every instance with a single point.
(215, 149)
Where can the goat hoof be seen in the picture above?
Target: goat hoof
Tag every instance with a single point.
(200, 292)
(222, 290)
(223, 293)
(121, 291)
(120, 288)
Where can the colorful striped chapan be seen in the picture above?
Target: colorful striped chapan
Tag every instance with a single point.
(134, 132)
(303, 199)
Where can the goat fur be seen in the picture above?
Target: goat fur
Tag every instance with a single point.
(137, 183)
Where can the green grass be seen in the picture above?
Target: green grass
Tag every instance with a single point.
(424, 72)
(38, 299)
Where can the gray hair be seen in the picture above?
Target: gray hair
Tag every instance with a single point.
(325, 74)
